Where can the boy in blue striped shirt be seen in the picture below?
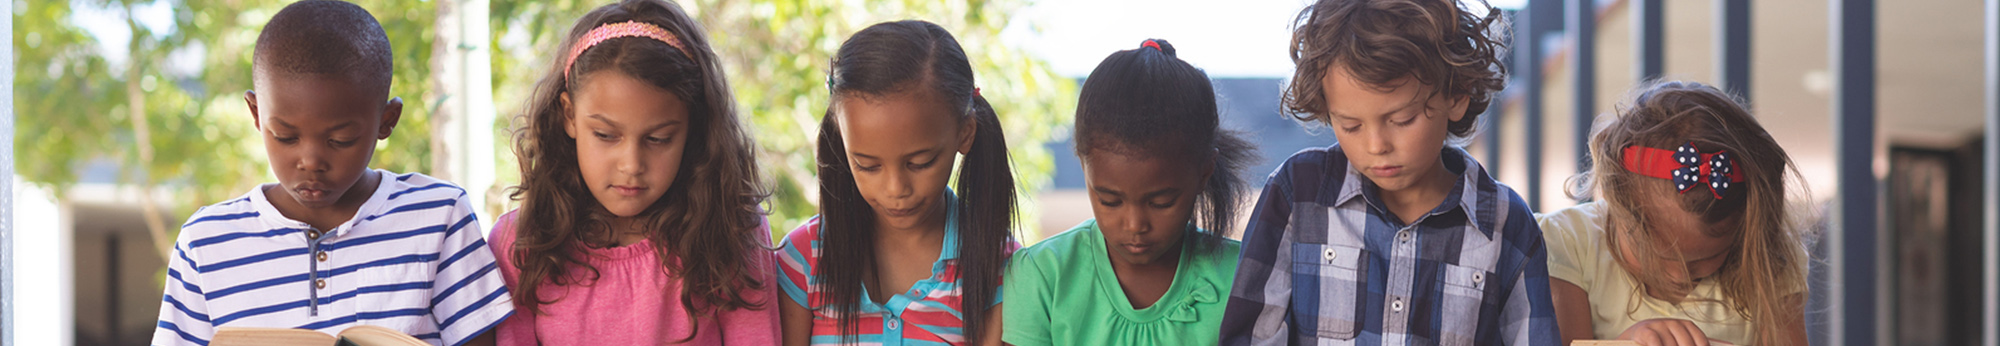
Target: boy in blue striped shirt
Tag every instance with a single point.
(1391, 236)
(333, 244)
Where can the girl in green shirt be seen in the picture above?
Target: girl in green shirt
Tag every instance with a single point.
(1154, 267)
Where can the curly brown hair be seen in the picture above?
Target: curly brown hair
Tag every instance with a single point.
(707, 226)
(1438, 42)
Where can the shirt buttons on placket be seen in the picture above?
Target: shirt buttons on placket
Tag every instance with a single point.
(1403, 236)
(895, 323)
(321, 283)
(1396, 305)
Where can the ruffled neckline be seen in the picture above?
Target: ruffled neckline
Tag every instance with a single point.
(618, 253)
(1177, 305)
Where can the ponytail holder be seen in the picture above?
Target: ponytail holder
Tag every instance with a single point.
(1686, 166)
(616, 30)
(975, 91)
(1150, 44)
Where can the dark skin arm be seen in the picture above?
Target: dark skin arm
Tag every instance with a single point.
(484, 339)
(992, 332)
(797, 323)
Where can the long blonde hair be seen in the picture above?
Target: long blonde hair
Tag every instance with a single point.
(1765, 267)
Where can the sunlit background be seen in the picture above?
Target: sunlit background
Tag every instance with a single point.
(112, 154)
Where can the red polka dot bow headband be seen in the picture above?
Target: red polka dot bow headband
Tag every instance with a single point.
(1686, 167)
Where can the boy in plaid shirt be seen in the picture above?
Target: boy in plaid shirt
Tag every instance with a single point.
(1391, 236)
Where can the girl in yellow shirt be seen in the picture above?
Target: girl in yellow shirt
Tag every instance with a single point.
(1689, 240)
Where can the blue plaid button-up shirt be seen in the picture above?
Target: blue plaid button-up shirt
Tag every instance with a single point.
(1324, 263)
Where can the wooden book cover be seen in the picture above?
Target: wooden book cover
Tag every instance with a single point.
(362, 335)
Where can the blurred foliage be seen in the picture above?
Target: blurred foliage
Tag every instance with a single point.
(73, 106)
(776, 53)
(72, 103)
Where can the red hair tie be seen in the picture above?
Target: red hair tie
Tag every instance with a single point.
(616, 30)
(1150, 44)
(1686, 166)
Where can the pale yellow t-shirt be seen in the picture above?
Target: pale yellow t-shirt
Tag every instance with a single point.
(1578, 254)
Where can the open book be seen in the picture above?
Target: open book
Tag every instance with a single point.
(1603, 343)
(361, 335)
(1629, 343)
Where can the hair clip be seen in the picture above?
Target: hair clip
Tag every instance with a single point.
(1686, 166)
(616, 30)
(1149, 43)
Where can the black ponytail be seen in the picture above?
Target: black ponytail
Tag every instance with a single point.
(1215, 210)
(986, 209)
(1146, 101)
(889, 58)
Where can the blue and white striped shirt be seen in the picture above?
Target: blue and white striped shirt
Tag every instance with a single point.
(413, 259)
(1324, 264)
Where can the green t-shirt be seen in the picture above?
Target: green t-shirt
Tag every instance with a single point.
(1062, 292)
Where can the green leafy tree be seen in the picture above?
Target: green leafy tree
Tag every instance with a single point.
(172, 117)
(776, 53)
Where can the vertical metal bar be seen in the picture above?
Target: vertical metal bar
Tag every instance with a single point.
(1989, 308)
(113, 272)
(1498, 107)
(1649, 32)
(7, 330)
(1492, 132)
(1732, 46)
(1581, 21)
(1853, 60)
(1542, 17)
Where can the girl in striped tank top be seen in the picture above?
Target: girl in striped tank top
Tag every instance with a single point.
(908, 261)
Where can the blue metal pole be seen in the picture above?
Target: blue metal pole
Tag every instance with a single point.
(1989, 310)
(1853, 60)
(1542, 17)
(1649, 32)
(1732, 46)
(1581, 18)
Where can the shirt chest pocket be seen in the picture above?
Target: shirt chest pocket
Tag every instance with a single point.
(1464, 303)
(1327, 282)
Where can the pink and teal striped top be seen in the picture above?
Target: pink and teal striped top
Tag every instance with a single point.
(927, 314)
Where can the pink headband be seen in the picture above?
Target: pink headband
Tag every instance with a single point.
(616, 30)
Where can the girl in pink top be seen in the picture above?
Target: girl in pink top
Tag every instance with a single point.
(638, 221)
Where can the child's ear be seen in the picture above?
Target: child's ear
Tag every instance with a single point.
(1458, 106)
(966, 134)
(250, 99)
(568, 117)
(391, 113)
